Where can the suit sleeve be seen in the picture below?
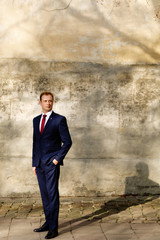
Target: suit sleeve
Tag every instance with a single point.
(65, 138)
(33, 149)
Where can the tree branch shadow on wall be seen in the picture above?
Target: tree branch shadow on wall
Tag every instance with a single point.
(104, 23)
(139, 189)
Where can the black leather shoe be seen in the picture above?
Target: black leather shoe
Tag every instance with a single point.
(51, 234)
(43, 228)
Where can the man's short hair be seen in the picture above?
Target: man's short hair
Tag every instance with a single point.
(46, 93)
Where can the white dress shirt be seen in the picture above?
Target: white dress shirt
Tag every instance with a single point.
(48, 114)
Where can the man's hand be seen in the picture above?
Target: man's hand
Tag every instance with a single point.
(55, 161)
(34, 170)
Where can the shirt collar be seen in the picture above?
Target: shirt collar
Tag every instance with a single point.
(48, 113)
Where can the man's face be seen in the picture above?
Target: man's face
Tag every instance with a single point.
(46, 103)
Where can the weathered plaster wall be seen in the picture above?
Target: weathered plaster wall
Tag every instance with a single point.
(110, 31)
(101, 59)
(114, 118)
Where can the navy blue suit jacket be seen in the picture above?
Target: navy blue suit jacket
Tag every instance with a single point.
(54, 142)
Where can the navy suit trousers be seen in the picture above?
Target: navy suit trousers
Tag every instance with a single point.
(48, 177)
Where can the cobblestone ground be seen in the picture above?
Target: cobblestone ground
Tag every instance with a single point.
(130, 217)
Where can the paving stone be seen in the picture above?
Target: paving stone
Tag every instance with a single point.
(5, 208)
(11, 214)
(35, 222)
(15, 206)
(148, 236)
(122, 237)
(87, 213)
(136, 214)
(111, 219)
(151, 217)
(89, 236)
(139, 220)
(88, 232)
(13, 210)
(74, 213)
(26, 236)
(77, 224)
(125, 216)
(97, 206)
(148, 211)
(65, 223)
(4, 227)
(23, 211)
(156, 206)
(107, 220)
(19, 226)
(36, 211)
(65, 236)
(152, 227)
(22, 229)
(122, 228)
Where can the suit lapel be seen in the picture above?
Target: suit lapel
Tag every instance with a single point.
(37, 124)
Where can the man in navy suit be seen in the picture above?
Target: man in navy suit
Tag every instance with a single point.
(51, 142)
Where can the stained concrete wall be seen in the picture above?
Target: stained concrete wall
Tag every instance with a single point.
(101, 59)
(114, 119)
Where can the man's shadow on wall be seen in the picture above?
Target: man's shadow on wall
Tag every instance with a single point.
(139, 189)
(141, 184)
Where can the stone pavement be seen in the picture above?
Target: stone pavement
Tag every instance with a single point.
(108, 218)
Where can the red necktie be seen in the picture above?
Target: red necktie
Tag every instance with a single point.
(43, 122)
